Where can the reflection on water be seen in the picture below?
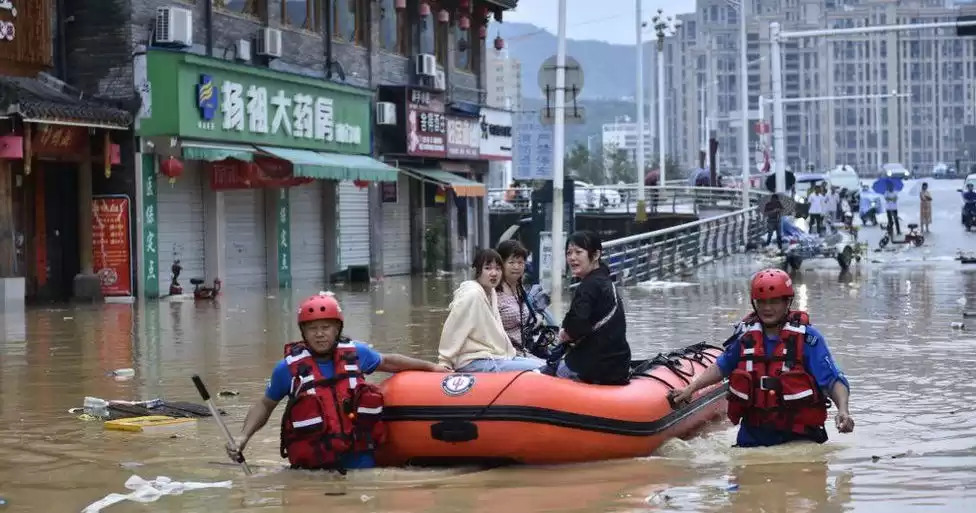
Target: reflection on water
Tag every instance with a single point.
(914, 448)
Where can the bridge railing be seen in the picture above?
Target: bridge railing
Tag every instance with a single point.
(679, 250)
(623, 199)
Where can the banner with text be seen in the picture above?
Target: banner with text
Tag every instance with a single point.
(110, 244)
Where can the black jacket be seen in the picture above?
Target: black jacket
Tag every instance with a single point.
(601, 356)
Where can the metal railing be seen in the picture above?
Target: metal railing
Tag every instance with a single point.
(623, 199)
(679, 250)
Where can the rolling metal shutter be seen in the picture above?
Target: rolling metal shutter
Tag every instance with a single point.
(353, 225)
(245, 249)
(308, 243)
(396, 231)
(180, 216)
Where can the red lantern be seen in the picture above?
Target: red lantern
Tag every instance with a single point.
(360, 184)
(443, 16)
(482, 32)
(483, 13)
(424, 9)
(499, 43)
(172, 168)
(464, 23)
(400, 5)
(464, 5)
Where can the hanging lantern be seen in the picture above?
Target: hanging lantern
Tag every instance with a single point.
(172, 168)
(499, 43)
(464, 5)
(400, 5)
(482, 32)
(424, 9)
(360, 184)
(443, 16)
(483, 13)
(464, 23)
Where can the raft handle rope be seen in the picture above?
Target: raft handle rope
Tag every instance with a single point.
(672, 363)
(499, 394)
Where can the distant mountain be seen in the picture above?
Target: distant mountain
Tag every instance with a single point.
(608, 70)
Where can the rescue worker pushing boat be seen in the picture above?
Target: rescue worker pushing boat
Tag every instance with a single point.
(780, 372)
(332, 418)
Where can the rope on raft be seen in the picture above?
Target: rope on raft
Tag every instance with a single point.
(672, 361)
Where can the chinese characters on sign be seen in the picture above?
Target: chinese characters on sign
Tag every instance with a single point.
(250, 108)
(496, 134)
(150, 253)
(60, 140)
(7, 29)
(426, 125)
(284, 238)
(532, 152)
(110, 244)
(463, 137)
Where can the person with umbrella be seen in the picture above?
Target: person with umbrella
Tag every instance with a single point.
(889, 187)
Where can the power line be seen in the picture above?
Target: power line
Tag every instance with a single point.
(587, 22)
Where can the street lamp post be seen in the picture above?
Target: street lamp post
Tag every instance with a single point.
(663, 26)
(641, 190)
(558, 143)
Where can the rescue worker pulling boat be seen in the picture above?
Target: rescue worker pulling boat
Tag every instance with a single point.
(780, 371)
(332, 418)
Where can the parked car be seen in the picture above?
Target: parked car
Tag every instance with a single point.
(844, 177)
(587, 195)
(801, 189)
(896, 170)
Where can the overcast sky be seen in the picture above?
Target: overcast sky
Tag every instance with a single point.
(604, 20)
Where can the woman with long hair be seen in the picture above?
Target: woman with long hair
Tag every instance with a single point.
(473, 338)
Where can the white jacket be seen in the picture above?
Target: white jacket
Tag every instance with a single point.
(473, 329)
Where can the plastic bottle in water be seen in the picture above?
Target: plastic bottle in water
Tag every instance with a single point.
(96, 407)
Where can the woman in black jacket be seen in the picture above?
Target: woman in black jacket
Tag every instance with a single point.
(595, 328)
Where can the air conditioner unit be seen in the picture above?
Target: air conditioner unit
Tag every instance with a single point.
(426, 65)
(385, 113)
(268, 42)
(243, 50)
(174, 26)
(440, 83)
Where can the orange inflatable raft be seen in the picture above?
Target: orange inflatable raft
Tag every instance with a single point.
(527, 417)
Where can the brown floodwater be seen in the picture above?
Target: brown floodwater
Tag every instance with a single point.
(888, 324)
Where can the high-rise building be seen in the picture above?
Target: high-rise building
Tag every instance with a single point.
(934, 67)
(503, 88)
(621, 136)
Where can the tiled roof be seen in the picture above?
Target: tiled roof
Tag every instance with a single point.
(35, 98)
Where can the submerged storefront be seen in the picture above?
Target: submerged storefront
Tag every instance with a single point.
(254, 177)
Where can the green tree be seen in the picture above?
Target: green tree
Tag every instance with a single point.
(622, 168)
(585, 165)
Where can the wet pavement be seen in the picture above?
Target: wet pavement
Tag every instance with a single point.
(887, 322)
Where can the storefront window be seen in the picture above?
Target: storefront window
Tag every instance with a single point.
(304, 14)
(464, 57)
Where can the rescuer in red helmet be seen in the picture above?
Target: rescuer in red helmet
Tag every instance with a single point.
(333, 419)
(780, 371)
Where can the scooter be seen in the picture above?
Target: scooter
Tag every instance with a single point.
(969, 215)
(913, 237)
(201, 291)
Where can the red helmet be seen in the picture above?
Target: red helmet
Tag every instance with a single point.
(318, 307)
(771, 284)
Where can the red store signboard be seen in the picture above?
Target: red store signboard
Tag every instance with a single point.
(426, 125)
(110, 244)
(263, 173)
(463, 138)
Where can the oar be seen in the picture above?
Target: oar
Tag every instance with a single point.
(205, 395)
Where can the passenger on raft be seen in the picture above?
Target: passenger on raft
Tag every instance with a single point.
(473, 338)
(513, 307)
(780, 372)
(594, 330)
(313, 434)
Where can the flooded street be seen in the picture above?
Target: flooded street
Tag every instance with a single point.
(888, 324)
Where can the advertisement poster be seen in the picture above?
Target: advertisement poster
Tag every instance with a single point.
(110, 244)
(463, 138)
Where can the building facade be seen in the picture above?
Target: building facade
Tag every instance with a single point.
(65, 162)
(503, 84)
(261, 158)
(622, 136)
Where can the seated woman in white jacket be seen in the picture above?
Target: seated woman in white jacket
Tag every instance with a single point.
(473, 339)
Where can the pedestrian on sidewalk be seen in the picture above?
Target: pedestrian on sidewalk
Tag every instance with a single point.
(774, 224)
(925, 208)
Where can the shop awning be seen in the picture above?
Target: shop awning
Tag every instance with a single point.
(462, 186)
(213, 152)
(334, 166)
